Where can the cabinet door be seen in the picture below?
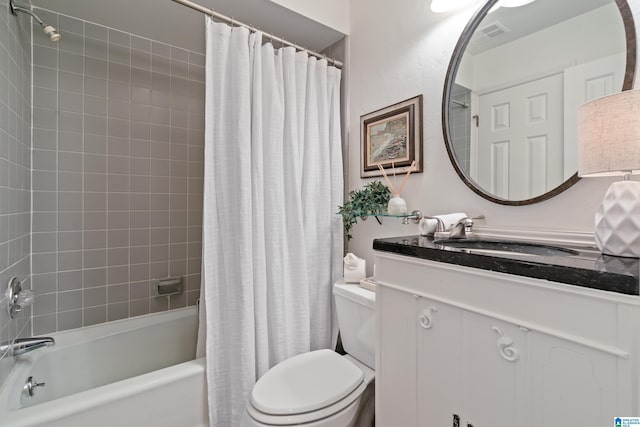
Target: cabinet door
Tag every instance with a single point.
(439, 362)
(572, 385)
(494, 370)
(395, 359)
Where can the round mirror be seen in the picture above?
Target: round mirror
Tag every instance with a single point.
(512, 91)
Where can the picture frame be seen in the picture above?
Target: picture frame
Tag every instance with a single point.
(392, 137)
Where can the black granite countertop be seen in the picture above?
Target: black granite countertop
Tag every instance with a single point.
(585, 267)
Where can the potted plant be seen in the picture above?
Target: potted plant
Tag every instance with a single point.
(371, 200)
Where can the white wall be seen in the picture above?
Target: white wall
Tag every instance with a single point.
(402, 49)
(332, 13)
(572, 42)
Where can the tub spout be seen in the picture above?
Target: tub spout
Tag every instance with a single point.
(25, 345)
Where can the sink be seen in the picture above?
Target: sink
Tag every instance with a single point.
(505, 247)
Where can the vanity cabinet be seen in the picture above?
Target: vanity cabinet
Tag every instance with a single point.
(500, 350)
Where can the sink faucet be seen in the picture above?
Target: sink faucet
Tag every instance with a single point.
(21, 346)
(463, 228)
(440, 227)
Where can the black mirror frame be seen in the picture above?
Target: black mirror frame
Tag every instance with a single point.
(463, 41)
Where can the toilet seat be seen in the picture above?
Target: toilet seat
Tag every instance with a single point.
(306, 388)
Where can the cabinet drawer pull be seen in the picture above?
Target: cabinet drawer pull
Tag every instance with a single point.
(426, 318)
(505, 346)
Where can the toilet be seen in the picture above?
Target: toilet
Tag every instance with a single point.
(321, 388)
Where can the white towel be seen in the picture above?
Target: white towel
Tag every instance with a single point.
(354, 268)
(428, 226)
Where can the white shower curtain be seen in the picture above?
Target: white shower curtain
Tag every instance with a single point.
(272, 242)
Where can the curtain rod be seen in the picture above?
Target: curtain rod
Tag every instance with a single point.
(232, 21)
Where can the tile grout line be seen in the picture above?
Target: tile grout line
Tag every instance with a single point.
(82, 210)
(57, 169)
(31, 185)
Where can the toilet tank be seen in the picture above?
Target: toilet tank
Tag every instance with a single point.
(355, 307)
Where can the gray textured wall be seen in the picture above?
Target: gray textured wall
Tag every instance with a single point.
(15, 168)
(118, 140)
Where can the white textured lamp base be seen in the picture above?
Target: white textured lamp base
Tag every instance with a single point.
(618, 220)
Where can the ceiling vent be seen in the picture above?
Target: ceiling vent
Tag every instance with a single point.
(492, 30)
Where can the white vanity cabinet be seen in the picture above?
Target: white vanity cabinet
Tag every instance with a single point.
(500, 350)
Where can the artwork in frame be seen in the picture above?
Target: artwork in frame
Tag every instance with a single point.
(392, 137)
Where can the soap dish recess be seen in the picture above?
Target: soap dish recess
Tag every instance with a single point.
(167, 286)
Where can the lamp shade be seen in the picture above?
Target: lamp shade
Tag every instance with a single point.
(609, 135)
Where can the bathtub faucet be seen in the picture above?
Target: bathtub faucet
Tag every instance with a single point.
(25, 345)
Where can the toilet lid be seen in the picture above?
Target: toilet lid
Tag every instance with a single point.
(305, 383)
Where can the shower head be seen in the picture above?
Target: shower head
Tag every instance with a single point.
(50, 31)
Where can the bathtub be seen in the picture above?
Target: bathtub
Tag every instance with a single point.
(133, 372)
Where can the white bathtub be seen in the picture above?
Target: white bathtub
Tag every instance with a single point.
(133, 372)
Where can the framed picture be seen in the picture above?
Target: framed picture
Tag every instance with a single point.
(392, 137)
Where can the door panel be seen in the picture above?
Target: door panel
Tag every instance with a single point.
(396, 358)
(494, 372)
(571, 384)
(439, 356)
(530, 113)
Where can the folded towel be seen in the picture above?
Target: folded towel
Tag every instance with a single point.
(428, 226)
(354, 268)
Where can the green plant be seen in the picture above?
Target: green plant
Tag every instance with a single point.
(370, 200)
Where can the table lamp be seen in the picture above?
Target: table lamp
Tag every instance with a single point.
(609, 145)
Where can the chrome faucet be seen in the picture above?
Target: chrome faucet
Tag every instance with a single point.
(463, 229)
(440, 227)
(21, 346)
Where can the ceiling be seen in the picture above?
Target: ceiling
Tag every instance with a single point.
(172, 23)
(528, 19)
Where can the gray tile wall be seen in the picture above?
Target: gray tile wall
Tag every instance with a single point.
(15, 169)
(118, 146)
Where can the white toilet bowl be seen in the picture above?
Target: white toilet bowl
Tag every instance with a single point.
(321, 388)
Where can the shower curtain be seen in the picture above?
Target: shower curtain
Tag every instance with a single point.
(272, 242)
